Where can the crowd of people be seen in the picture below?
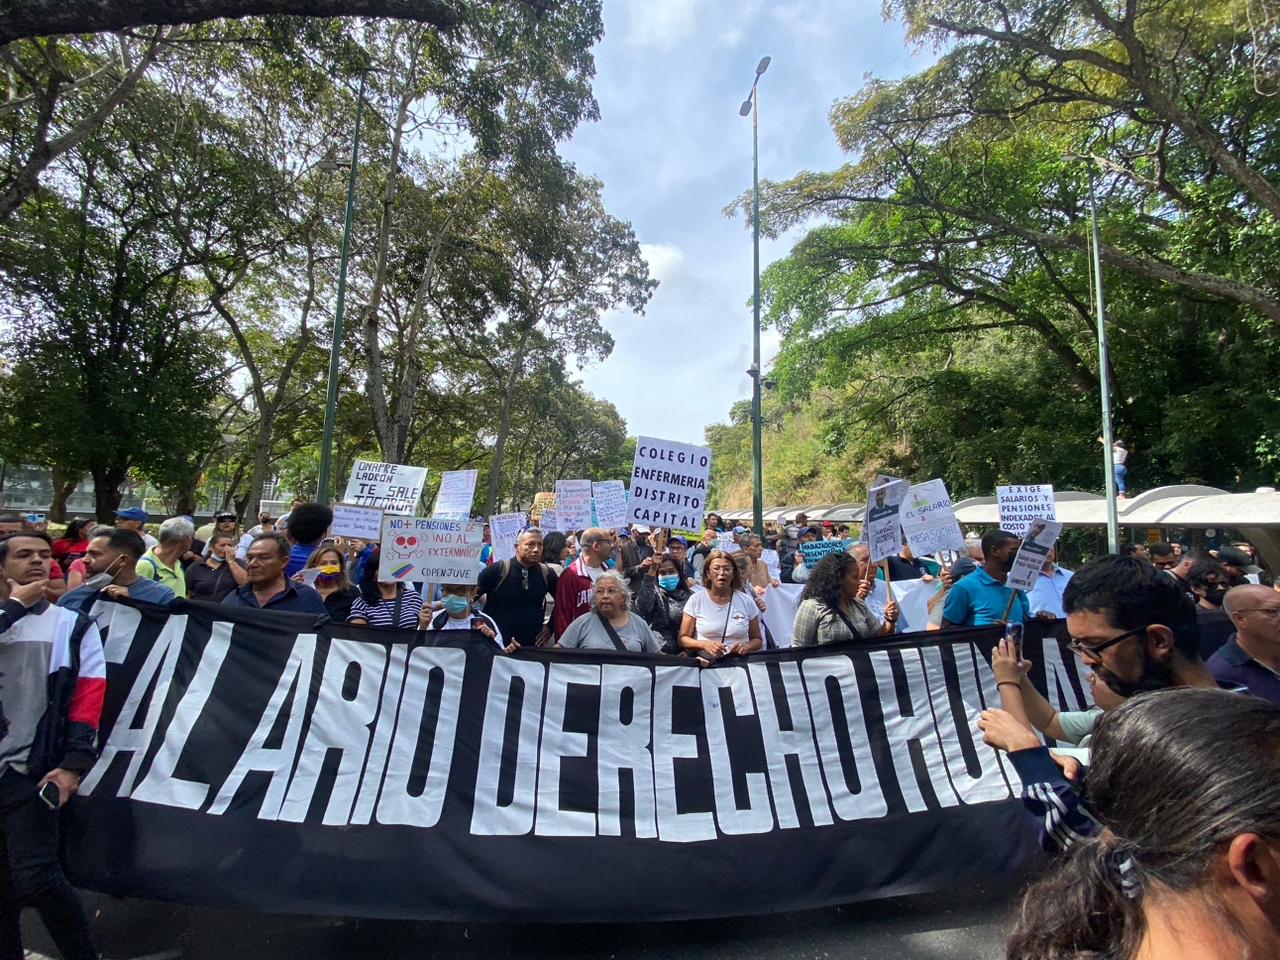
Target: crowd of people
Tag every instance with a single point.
(1196, 628)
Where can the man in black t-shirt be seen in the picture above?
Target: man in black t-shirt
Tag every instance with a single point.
(515, 592)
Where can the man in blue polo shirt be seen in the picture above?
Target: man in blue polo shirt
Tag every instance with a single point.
(982, 597)
(268, 588)
(1251, 655)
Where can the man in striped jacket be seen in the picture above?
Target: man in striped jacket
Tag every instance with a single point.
(52, 681)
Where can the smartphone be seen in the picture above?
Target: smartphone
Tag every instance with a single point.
(49, 794)
(33, 517)
(1013, 632)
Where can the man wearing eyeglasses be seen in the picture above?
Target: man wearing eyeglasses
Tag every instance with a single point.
(1251, 656)
(1134, 627)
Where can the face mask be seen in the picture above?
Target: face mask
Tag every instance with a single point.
(669, 581)
(609, 563)
(329, 571)
(100, 580)
(215, 556)
(455, 605)
(1215, 594)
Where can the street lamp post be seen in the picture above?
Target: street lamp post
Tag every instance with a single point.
(1104, 368)
(335, 350)
(757, 453)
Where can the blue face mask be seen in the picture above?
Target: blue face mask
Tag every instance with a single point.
(609, 563)
(669, 581)
(455, 605)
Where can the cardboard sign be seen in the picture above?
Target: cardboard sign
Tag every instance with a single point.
(503, 529)
(815, 551)
(359, 523)
(1019, 505)
(457, 490)
(416, 549)
(884, 521)
(928, 521)
(611, 503)
(541, 501)
(669, 484)
(393, 487)
(1039, 539)
(573, 503)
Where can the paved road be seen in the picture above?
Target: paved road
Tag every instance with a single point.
(965, 927)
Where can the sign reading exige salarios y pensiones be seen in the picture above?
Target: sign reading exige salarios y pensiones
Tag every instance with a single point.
(669, 484)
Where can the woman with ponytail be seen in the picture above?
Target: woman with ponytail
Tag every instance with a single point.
(1186, 785)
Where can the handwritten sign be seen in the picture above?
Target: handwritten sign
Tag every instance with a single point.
(611, 503)
(549, 521)
(393, 487)
(884, 521)
(815, 551)
(359, 523)
(573, 503)
(541, 501)
(1040, 536)
(457, 490)
(669, 484)
(1019, 505)
(432, 550)
(772, 563)
(928, 521)
(503, 529)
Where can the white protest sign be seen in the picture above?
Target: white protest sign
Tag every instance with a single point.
(884, 524)
(457, 490)
(928, 521)
(772, 563)
(725, 542)
(549, 521)
(359, 523)
(431, 550)
(573, 503)
(503, 529)
(393, 487)
(1039, 539)
(669, 484)
(1020, 504)
(880, 480)
(611, 503)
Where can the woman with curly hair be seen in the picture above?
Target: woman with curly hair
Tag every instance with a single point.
(832, 608)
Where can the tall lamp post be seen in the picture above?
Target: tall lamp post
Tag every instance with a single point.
(1104, 367)
(335, 350)
(757, 454)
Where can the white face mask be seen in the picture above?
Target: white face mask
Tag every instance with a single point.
(100, 580)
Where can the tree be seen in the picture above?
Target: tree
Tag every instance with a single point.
(42, 18)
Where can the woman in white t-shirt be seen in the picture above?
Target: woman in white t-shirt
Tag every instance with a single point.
(721, 619)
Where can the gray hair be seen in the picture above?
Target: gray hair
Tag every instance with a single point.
(749, 540)
(857, 547)
(525, 532)
(617, 578)
(175, 528)
(101, 530)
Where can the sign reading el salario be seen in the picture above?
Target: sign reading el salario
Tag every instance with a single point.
(669, 484)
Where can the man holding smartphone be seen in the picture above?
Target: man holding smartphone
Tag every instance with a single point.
(52, 681)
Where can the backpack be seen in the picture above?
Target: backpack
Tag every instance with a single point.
(505, 566)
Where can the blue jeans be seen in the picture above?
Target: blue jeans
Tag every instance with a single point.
(1121, 471)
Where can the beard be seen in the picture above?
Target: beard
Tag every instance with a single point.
(1155, 676)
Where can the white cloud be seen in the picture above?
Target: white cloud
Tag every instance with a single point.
(661, 23)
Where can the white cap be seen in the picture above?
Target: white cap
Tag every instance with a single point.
(639, 528)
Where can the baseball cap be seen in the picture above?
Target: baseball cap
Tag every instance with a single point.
(676, 538)
(219, 517)
(639, 528)
(827, 523)
(963, 567)
(134, 513)
(1238, 558)
(739, 529)
(624, 531)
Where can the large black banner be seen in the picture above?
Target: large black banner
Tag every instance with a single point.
(258, 761)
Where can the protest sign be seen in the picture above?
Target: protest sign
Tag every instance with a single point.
(359, 523)
(549, 521)
(772, 563)
(725, 542)
(436, 551)
(611, 503)
(541, 501)
(884, 522)
(669, 484)
(1019, 505)
(393, 487)
(573, 503)
(457, 490)
(815, 551)
(450, 750)
(503, 529)
(928, 520)
(1039, 539)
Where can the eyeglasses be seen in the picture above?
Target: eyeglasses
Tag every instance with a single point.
(1269, 612)
(1079, 649)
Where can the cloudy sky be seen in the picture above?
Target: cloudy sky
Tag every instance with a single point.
(672, 152)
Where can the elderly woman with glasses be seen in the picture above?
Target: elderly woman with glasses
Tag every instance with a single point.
(611, 625)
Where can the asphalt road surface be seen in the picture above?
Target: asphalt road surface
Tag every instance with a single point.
(965, 926)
